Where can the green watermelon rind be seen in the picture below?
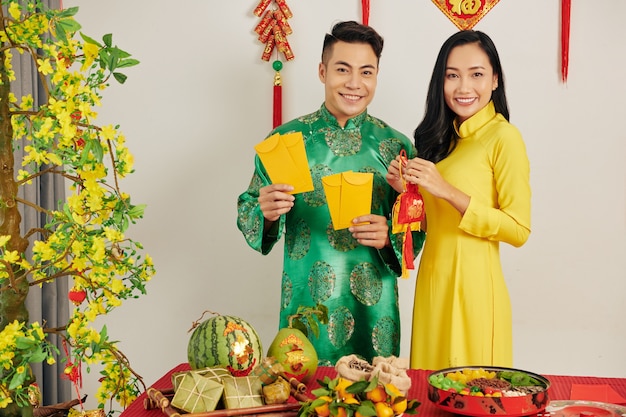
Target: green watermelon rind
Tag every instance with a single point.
(208, 347)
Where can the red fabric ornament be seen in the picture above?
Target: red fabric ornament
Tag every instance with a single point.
(566, 6)
(406, 217)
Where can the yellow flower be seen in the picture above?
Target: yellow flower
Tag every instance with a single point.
(108, 132)
(44, 66)
(4, 239)
(117, 286)
(11, 256)
(14, 11)
(91, 51)
(113, 235)
(27, 102)
(22, 175)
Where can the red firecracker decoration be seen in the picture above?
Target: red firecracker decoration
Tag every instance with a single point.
(273, 29)
(566, 6)
(406, 217)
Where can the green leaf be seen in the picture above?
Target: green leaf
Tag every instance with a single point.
(90, 40)
(318, 392)
(322, 316)
(125, 63)
(367, 409)
(137, 211)
(17, 380)
(24, 343)
(68, 25)
(38, 356)
(121, 78)
(108, 39)
(357, 387)
(69, 12)
(315, 328)
(96, 150)
(299, 325)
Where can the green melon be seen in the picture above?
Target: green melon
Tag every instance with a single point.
(226, 341)
(295, 352)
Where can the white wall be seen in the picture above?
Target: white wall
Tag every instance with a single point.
(201, 99)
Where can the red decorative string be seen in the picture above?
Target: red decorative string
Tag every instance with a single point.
(365, 9)
(73, 372)
(565, 23)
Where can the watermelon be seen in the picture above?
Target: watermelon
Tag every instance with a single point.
(226, 341)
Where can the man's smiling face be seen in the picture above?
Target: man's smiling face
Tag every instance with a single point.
(350, 77)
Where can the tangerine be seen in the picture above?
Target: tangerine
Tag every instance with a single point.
(341, 412)
(393, 390)
(383, 410)
(323, 410)
(377, 395)
(399, 407)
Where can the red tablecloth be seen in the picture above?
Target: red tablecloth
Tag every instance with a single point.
(560, 389)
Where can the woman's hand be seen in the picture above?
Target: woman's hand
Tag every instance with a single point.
(373, 232)
(426, 175)
(393, 174)
(275, 201)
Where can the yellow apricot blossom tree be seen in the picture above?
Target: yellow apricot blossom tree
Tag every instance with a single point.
(83, 240)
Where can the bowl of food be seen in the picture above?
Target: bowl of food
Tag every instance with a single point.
(488, 391)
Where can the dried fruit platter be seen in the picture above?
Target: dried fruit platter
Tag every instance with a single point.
(488, 391)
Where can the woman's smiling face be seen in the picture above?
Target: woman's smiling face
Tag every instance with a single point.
(469, 80)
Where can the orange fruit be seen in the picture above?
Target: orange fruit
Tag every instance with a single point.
(342, 384)
(399, 407)
(377, 395)
(383, 410)
(393, 390)
(341, 412)
(323, 410)
(349, 399)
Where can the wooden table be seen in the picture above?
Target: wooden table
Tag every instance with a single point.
(560, 389)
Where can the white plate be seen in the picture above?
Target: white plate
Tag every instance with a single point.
(577, 408)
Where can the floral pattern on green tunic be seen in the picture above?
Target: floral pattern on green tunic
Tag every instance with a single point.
(357, 284)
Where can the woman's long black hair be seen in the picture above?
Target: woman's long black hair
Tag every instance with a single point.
(435, 137)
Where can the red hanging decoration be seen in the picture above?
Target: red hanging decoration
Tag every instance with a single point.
(465, 14)
(73, 372)
(365, 9)
(273, 29)
(406, 217)
(566, 6)
(278, 95)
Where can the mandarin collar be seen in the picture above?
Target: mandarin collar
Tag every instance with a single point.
(353, 123)
(475, 122)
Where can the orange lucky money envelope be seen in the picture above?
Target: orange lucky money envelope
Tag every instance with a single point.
(349, 195)
(285, 161)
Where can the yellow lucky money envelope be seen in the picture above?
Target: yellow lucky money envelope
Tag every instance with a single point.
(349, 195)
(285, 161)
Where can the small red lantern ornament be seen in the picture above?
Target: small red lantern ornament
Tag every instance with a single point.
(77, 296)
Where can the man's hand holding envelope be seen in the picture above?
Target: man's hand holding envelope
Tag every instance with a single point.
(285, 161)
(348, 194)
